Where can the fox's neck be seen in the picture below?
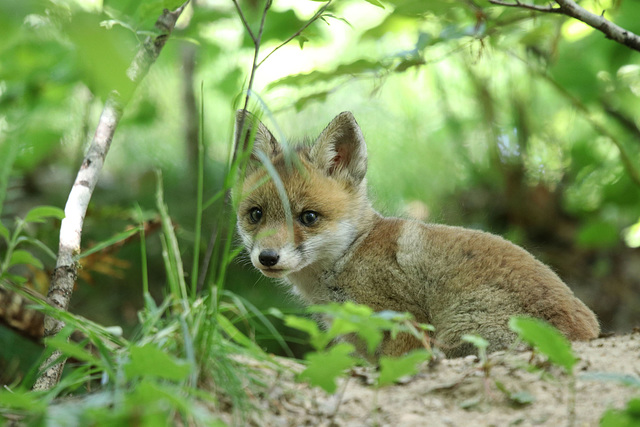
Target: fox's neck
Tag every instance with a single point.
(314, 282)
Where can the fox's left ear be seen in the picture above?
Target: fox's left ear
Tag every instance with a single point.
(248, 126)
(340, 150)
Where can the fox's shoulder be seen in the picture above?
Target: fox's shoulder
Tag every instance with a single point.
(410, 240)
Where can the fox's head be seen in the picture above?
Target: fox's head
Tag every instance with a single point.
(301, 207)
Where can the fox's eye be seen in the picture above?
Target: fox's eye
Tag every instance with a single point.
(308, 217)
(255, 214)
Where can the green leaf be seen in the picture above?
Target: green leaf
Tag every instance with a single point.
(4, 233)
(375, 3)
(149, 392)
(408, 63)
(103, 55)
(72, 349)
(9, 148)
(324, 367)
(41, 213)
(316, 338)
(355, 318)
(318, 96)
(37, 243)
(361, 66)
(628, 417)
(23, 400)
(149, 360)
(416, 8)
(111, 241)
(23, 257)
(233, 332)
(546, 339)
(15, 279)
(302, 40)
(476, 340)
(518, 397)
(624, 379)
(393, 368)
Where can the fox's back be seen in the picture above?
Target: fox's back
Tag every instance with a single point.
(446, 272)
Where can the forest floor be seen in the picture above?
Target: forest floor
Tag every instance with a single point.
(521, 389)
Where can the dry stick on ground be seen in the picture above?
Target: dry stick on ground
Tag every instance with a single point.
(572, 9)
(64, 276)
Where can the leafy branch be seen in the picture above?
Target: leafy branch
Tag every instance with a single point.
(573, 10)
(317, 15)
(65, 273)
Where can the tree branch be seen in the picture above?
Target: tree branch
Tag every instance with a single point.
(244, 22)
(546, 9)
(64, 275)
(608, 28)
(573, 10)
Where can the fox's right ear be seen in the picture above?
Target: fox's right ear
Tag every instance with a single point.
(340, 150)
(249, 127)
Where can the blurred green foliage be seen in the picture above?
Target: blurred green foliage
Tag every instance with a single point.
(479, 115)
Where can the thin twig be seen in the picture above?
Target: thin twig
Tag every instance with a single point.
(65, 273)
(627, 122)
(254, 67)
(317, 15)
(244, 21)
(573, 10)
(545, 9)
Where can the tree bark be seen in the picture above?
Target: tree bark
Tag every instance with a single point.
(573, 10)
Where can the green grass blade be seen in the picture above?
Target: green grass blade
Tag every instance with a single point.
(199, 195)
(109, 242)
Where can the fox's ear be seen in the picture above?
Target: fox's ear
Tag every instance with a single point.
(340, 150)
(249, 126)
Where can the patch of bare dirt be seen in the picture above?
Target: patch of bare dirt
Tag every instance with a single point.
(457, 392)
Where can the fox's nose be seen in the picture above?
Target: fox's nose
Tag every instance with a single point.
(268, 257)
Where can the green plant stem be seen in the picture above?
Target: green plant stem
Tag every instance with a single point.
(314, 18)
(213, 250)
(143, 255)
(199, 197)
(254, 66)
(8, 153)
(12, 245)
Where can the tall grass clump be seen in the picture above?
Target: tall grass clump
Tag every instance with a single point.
(187, 361)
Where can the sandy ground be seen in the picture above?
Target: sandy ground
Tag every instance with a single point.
(457, 392)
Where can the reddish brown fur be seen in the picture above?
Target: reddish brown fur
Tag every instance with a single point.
(461, 281)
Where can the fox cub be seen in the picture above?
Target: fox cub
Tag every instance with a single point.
(314, 227)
